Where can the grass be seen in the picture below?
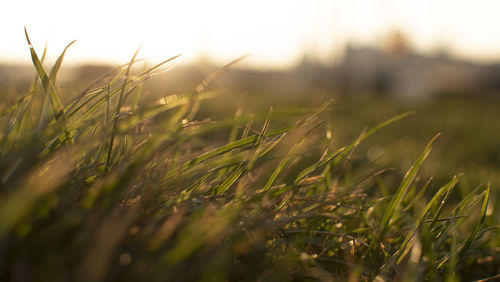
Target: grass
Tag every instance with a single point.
(105, 186)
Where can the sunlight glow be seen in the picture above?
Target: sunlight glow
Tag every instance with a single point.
(275, 33)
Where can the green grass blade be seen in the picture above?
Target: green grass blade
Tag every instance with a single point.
(264, 127)
(228, 182)
(283, 165)
(221, 150)
(232, 137)
(247, 128)
(117, 111)
(370, 132)
(108, 106)
(57, 65)
(405, 246)
(113, 76)
(234, 145)
(326, 160)
(248, 141)
(451, 276)
(474, 233)
(34, 84)
(159, 65)
(213, 76)
(441, 206)
(386, 123)
(410, 176)
(48, 86)
(124, 86)
(339, 154)
(420, 194)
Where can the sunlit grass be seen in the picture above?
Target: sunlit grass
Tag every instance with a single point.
(103, 186)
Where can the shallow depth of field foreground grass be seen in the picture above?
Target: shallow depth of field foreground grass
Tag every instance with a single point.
(106, 186)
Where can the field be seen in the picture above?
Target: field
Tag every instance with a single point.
(113, 185)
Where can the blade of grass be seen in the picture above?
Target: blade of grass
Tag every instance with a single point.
(328, 159)
(420, 194)
(117, 111)
(48, 86)
(474, 233)
(406, 246)
(213, 76)
(34, 84)
(233, 145)
(232, 137)
(451, 275)
(159, 65)
(228, 182)
(441, 206)
(397, 199)
(283, 164)
(57, 65)
(340, 153)
(370, 132)
(264, 127)
(108, 106)
(118, 71)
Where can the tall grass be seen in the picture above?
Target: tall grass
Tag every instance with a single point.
(103, 186)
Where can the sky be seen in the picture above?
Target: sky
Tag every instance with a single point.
(275, 33)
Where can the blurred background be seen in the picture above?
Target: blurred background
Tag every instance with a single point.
(375, 58)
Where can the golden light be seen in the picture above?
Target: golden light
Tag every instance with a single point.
(275, 33)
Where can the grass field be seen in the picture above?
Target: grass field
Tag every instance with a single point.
(107, 186)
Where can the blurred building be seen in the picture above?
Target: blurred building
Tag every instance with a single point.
(367, 70)
(394, 70)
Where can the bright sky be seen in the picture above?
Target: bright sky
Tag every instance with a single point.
(274, 32)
